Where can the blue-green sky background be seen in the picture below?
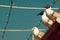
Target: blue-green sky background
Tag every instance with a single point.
(21, 18)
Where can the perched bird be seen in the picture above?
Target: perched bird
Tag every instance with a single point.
(45, 19)
(48, 9)
(54, 16)
(35, 31)
(49, 12)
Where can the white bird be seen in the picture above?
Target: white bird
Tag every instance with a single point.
(55, 16)
(35, 31)
(45, 19)
(49, 11)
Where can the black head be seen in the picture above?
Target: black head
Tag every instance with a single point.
(41, 13)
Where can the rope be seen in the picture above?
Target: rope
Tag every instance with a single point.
(15, 30)
(39, 23)
(7, 21)
(53, 2)
(29, 36)
(28, 8)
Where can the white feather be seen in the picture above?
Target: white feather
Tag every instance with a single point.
(35, 31)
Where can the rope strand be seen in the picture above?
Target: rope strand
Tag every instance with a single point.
(7, 21)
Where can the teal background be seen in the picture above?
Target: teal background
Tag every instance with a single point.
(21, 18)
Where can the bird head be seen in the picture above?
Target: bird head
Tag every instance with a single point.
(35, 31)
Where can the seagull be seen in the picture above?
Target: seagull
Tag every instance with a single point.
(35, 31)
